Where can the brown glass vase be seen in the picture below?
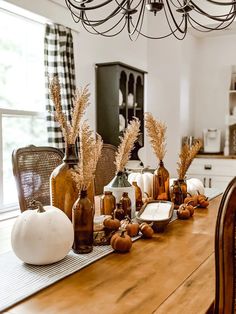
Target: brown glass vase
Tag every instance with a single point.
(63, 190)
(161, 180)
(108, 203)
(125, 202)
(138, 196)
(178, 192)
(82, 219)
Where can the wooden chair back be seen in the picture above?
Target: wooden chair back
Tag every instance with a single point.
(225, 253)
(32, 167)
(106, 168)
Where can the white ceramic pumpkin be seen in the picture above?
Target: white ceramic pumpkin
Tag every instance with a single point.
(42, 236)
(144, 181)
(194, 186)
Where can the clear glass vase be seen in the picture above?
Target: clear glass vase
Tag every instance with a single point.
(63, 190)
(161, 180)
(82, 219)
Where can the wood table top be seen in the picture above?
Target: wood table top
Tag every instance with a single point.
(171, 273)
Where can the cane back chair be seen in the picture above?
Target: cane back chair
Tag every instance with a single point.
(106, 168)
(225, 253)
(32, 167)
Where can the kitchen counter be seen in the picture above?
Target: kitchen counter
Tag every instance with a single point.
(215, 156)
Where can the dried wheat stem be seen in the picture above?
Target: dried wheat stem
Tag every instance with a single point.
(123, 153)
(156, 131)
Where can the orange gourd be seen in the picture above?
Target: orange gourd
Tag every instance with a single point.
(121, 242)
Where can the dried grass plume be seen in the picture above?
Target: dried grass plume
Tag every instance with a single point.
(81, 101)
(156, 131)
(123, 153)
(89, 153)
(186, 157)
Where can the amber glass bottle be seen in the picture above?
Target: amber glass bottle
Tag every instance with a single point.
(82, 219)
(63, 190)
(138, 196)
(178, 192)
(161, 180)
(125, 202)
(119, 212)
(108, 203)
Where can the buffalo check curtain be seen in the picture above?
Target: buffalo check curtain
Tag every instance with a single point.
(59, 60)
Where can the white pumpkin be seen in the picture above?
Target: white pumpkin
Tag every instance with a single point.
(42, 236)
(194, 186)
(144, 181)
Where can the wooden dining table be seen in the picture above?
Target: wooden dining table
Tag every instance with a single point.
(171, 273)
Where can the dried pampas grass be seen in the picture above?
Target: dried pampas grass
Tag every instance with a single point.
(81, 101)
(156, 131)
(89, 153)
(186, 157)
(123, 153)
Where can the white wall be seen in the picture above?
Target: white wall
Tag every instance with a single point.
(90, 49)
(215, 57)
(187, 81)
(170, 91)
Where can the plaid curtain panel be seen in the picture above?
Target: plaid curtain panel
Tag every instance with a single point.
(59, 60)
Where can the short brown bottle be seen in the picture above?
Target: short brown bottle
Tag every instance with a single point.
(108, 203)
(125, 202)
(119, 212)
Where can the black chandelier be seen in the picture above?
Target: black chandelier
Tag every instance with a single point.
(109, 18)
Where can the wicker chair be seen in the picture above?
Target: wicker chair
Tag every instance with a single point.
(32, 167)
(225, 253)
(105, 168)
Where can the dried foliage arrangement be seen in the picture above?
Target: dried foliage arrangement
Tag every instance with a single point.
(81, 101)
(123, 153)
(186, 157)
(89, 153)
(156, 131)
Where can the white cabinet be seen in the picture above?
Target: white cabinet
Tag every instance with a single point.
(213, 172)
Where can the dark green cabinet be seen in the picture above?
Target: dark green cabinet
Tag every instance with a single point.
(119, 98)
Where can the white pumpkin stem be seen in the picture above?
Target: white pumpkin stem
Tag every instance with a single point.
(39, 205)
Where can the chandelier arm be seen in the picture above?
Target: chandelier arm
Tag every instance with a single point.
(124, 8)
(173, 19)
(140, 18)
(205, 28)
(187, 2)
(222, 3)
(96, 32)
(137, 31)
(82, 7)
(88, 23)
(228, 16)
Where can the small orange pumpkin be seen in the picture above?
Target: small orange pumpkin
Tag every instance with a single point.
(146, 230)
(132, 228)
(202, 201)
(111, 223)
(183, 212)
(121, 242)
(191, 200)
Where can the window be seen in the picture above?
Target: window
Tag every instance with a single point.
(22, 118)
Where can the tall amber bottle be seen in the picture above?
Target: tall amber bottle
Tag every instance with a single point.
(138, 196)
(82, 219)
(125, 202)
(63, 190)
(108, 203)
(161, 180)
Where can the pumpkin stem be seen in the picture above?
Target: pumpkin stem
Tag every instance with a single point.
(123, 233)
(39, 205)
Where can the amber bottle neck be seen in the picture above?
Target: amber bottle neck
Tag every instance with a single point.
(83, 193)
(71, 156)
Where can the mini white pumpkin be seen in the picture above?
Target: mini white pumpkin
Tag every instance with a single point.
(42, 236)
(144, 181)
(195, 186)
